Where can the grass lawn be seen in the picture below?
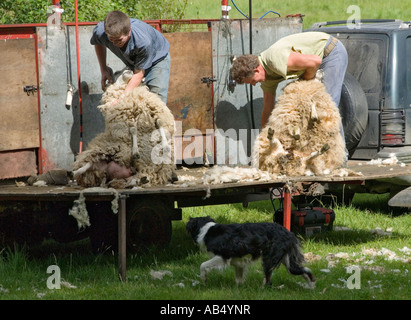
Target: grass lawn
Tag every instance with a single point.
(313, 10)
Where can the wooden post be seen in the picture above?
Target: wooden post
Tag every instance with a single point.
(122, 243)
(287, 208)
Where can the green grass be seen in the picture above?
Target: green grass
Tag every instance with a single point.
(23, 272)
(314, 11)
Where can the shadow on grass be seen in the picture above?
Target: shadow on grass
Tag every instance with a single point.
(349, 237)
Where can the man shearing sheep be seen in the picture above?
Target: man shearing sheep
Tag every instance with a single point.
(294, 56)
(143, 49)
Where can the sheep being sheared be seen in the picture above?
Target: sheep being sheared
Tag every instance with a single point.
(139, 131)
(302, 135)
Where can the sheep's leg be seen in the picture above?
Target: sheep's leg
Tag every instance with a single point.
(270, 134)
(314, 115)
(164, 144)
(314, 154)
(134, 148)
(276, 146)
(295, 132)
(82, 170)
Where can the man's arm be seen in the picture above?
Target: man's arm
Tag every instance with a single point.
(304, 62)
(101, 52)
(135, 80)
(269, 99)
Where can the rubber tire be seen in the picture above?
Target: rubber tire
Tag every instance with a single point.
(103, 231)
(148, 224)
(354, 111)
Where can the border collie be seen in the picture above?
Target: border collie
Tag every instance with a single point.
(239, 245)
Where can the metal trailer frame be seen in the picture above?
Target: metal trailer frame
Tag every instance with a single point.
(200, 194)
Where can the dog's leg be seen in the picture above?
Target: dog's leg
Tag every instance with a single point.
(82, 170)
(267, 279)
(164, 144)
(270, 260)
(241, 267)
(134, 148)
(216, 262)
(239, 274)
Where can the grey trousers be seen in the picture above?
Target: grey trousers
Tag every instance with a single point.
(334, 67)
(157, 78)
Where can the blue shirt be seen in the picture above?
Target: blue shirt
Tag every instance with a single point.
(145, 48)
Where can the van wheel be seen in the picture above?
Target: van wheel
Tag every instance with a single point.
(354, 111)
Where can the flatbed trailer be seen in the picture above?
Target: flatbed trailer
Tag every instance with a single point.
(152, 208)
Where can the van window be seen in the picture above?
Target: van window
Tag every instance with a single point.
(366, 58)
(408, 63)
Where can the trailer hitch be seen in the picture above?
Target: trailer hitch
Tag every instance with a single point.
(30, 89)
(208, 80)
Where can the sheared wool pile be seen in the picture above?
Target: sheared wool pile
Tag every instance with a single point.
(302, 135)
(225, 174)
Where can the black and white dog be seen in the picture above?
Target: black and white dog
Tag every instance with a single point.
(239, 245)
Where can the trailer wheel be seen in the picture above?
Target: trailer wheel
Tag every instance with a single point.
(148, 224)
(354, 111)
(103, 227)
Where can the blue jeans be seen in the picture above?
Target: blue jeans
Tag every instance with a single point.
(334, 67)
(157, 78)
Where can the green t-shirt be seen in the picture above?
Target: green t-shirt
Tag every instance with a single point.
(274, 59)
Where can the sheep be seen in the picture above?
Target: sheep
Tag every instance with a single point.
(302, 135)
(139, 136)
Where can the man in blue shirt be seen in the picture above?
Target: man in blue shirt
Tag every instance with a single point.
(142, 49)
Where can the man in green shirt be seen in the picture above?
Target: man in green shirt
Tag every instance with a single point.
(295, 56)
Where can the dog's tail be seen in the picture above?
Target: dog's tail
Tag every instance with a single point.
(294, 260)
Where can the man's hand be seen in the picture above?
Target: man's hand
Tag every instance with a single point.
(114, 102)
(105, 77)
(101, 52)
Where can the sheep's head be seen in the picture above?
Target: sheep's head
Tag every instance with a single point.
(115, 90)
(122, 77)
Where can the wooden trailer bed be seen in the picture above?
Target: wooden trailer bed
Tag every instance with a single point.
(191, 191)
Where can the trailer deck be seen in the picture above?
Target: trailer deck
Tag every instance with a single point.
(193, 184)
(191, 191)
